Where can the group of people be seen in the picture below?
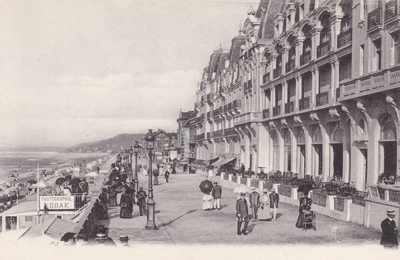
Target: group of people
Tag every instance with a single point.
(212, 200)
(267, 203)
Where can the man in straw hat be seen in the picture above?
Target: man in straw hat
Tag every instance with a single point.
(273, 202)
(389, 231)
(242, 214)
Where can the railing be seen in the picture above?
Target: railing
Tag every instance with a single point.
(200, 137)
(266, 77)
(209, 114)
(230, 131)
(323, 48)
(247, 117)
(390, 10)
(277, 72)
(338, 204)
(394, 196)
(208, 135)
(289, 107)
(285, 190)
(323, 98)
(359, 198)
(305, 57)
(290, 65)
(218, 133)
(265, 113)
(304, 103)
(319, 198)
(344, 38)
(374, 18)
(234, 178)
(216, 112)
(276, 111)
(236, 104)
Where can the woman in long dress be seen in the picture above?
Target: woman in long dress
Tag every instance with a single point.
(126, 205)
(207, 201)
(305, 205)
(264, 213)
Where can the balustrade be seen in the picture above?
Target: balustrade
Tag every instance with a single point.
(319, 198)
(344, 38)
(304, 103)
(277, 72)
(323, 98)
(305, 57)
(390, 10)
(374, 18)
(290, 65)
(289, 107)
(265, 113)
(323, 48)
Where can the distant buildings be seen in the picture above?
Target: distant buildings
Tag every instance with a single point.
(310, 87)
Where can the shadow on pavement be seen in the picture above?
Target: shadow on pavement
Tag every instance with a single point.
(278, 215)
(168, 223)
(250, 228)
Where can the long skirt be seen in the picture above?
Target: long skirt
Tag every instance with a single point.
(125, 213)
(113, 201)
(264, 213)
(155, 182)
(299, 222)
(207, 201)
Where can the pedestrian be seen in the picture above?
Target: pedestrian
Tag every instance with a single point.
(210, 171)
(242, 214)
(207, 201)
(389, 231)
(216, 193)
(305, 205)
(103, 212)
(156, 173)
(166, 175)
(254, 202)
(141, 196)
(126, 204)
(112, 197)
(273, 202)
(265, 213)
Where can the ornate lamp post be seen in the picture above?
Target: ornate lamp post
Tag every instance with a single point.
(151, 225)
(136, 149)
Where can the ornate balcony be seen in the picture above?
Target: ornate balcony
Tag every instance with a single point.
(390, 10)
(200, 137)
(276, 111)
(305, 58)
(290, 65)
(375, 18)
(344, 38)
(266, 78)
(277, 72)
(246, 118)
(289, 107)
(265, 113)
(230, 132)
(323, 98)
(324, 48)
(217, 134)
(304, 103)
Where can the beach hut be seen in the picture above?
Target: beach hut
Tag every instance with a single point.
(91, 176)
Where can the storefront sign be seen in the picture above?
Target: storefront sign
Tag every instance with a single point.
(57, 202)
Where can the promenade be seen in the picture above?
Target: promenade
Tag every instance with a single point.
(181, 221)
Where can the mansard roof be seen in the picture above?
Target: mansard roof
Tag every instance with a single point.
(214, 63)
(224, 56)
(262, 6)
(267, 21)
(235, 51)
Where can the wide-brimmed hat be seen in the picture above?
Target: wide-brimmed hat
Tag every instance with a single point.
(253, 188)
(265, 190)
(215, 182)
(123, 238)
(273, 189)
(100, 236)
(390, 212)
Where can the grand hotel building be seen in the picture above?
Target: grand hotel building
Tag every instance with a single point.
(308, 86)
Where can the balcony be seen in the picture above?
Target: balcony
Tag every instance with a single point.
(236, 104)
(374, 18)
(290, 66)
(200, 137)
(246, 118)
(277, 72)
(276, 111)
(266, 78)
(344, 38)
(216, 112)
(305, 58)
(369, 84)
(324, 48)
(230, 132)
(209, 114)
(210, 96)
(390, 10)
(304, 103)
(289, 107)
(208, 135)
(217, 134)
(199, 119)
(323, 98)
(265, 113)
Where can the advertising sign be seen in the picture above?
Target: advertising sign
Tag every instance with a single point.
(57, 203)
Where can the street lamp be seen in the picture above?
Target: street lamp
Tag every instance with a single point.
(150, 138)
(136, 149)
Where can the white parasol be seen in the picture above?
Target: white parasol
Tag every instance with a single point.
(241, 189)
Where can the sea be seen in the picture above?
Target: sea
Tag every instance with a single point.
(21, 163)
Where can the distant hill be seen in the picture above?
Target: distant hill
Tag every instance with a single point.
(113, 144)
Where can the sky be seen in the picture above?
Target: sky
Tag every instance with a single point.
(87, 70)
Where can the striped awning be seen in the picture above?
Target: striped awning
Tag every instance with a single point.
(223, 161)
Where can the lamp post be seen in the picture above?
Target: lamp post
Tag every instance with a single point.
(136, 149)
(151, 225)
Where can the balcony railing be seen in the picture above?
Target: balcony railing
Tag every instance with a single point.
(290, 65)
(289, 107)
(266, 77)
(344, 38)
(390, 10)
(277, 72)
(209, 114)
(323, 98)
(245, 118)
(230, 131)
(200, 137)
(304, 103)
(265, 113)
(276, 111)
(305, 58)
(323, 48)
(218, 133)
(374, 18)
(236, 104)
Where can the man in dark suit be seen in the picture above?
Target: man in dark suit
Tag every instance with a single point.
(389, 231)
(216, 193)
(254, 202)
(273, 202)
(141, 196)
(242, 214)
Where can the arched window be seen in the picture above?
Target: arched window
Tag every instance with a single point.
(389, 132)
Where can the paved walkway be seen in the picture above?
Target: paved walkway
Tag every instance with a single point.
(181, 221)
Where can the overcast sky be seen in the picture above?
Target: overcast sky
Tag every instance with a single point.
(86, 70)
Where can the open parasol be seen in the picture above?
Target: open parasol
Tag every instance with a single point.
(74, 181)
(60, 181)
(305, 188)
(68, 178)
(206, 186)
(241, 189)
(31, 181)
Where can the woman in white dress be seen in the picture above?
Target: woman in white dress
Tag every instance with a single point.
(264, 213)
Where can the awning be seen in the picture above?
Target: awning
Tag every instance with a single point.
(223, 161)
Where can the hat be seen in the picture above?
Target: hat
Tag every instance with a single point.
(123, 238)
(390, 212)
(265, 190)
(253, 188)
(273, 189)
(100, 236)
(215, 182)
